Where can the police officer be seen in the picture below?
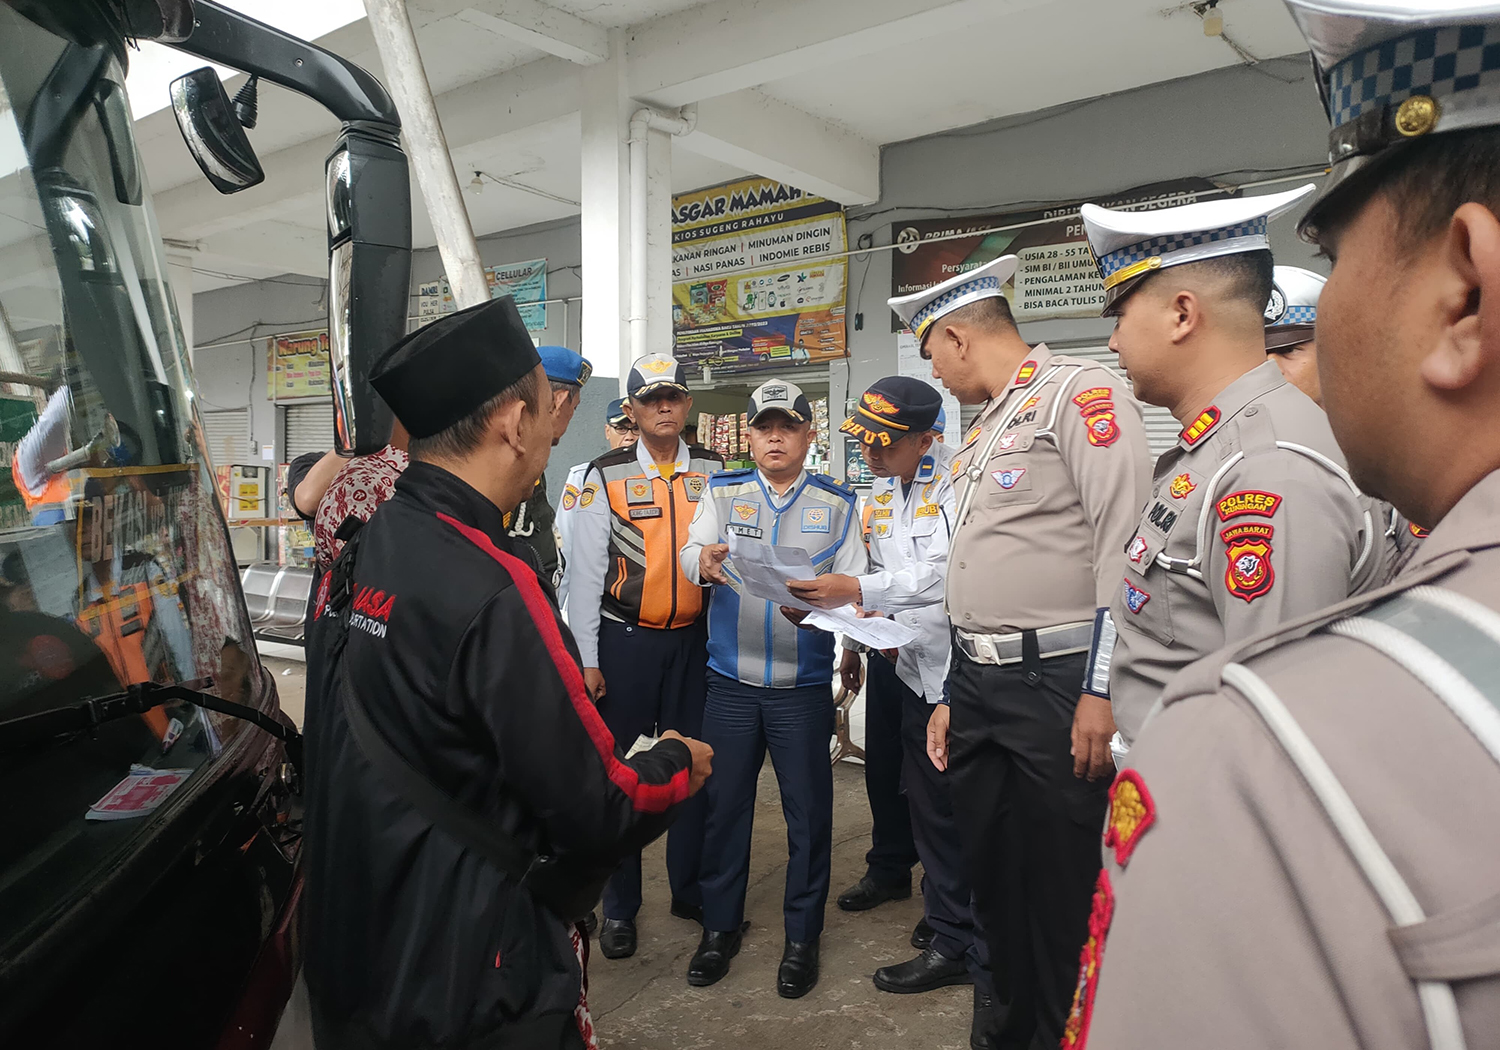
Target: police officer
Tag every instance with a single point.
(637, 618)
(1252, 518)
(1291, 343)
(910, 526)
(1316, 875)
(619, 430)
(769, 683)
(459, 755)
(1049, 481)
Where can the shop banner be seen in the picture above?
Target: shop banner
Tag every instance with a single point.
(753, 286)
(526, 281)
(1056, 275)
(297, 365)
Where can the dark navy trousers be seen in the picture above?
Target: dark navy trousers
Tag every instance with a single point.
(742, 723)
(892, 848)
(653, 681)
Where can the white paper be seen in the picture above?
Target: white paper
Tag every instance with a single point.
(642, 743)
(763, 570)
(878, 632)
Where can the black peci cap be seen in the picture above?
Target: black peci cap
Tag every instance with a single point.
(438, 375)
(892, 408)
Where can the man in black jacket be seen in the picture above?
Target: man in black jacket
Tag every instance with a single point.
(456, 661)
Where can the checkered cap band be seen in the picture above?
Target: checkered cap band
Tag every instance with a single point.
(1162, 247)
(1297, 315)
(979, 288)
(1438, 63)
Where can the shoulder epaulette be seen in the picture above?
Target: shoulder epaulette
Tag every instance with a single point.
(615, 456)
(832, 484)
(723, 476)
(700, 452)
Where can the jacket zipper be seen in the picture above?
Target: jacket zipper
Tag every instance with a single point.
(672, 512)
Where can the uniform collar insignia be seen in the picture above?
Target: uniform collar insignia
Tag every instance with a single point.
(1201, 426)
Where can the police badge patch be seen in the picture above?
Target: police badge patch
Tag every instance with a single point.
(816, 519)
(1135, 597)
(694, 484)
(1248, 547)
(570, 497)
(1131, 813)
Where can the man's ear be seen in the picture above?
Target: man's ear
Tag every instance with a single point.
(1468, 277)
(505, 425)
(630, 411)
(1185, 314)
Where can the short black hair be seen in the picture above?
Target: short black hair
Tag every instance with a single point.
(991, 314)
(1247, 276)
(1439, 175)
(463, 437)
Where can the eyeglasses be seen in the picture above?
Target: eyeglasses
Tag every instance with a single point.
(625, 428)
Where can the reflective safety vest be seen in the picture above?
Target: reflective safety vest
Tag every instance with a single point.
(48, 506)
(118, 622)
(648, 526)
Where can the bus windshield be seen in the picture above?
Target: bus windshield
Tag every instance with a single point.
(115, 566)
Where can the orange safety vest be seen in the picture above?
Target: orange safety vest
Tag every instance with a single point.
(55, 493)
(117, 623)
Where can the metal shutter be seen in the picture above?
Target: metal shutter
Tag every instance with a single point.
(1162, 428)
(309, 428)
(227, 433)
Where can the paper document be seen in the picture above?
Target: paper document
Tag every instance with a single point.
(763, 570)
(878, 632)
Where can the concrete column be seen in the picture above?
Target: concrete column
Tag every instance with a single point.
(605, 220)
(180, 273)
(659, 241)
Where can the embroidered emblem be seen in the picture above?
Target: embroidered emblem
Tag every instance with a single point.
(879, 405)
(1093, 396)
(1007, 442)
(956, 469)
(1417, 530)
(1137, 549)
(926, 510)
(638, 490)
(882, 529)
(1024, 375)
(747, 511)
(1202, 425)
(1076, 1030)
(1162, 516)
(1008, 479)
(815, 519)
(1135, 598)
(927, 491)
(1249, 501)
(1103, 430)
(659, 366)
(694, 484)
(586, 497)
(570, 497)
(1182, 484)
(1031, 402)
(1248, 547)
(1131, 812)
(883, 498)
(973, 433)
(637, 513)
(880, 512)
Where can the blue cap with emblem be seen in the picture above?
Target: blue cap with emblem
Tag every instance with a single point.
(1293, 309)
(892, 408)
(614, 413)
(1394, 71)
(777, 395)
(920, 310)
(655, 372)
(565, 366)
(1129, 246)
(940, 424)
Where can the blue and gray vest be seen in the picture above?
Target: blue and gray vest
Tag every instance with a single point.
(748, 638)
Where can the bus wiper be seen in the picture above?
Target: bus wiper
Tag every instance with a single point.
(49, 729)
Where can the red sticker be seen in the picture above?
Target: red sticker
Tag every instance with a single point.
(1248, 548)
(1076, 1031)
(1131, 812)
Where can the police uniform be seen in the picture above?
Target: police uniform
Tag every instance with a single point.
(614, 415)
(910, 530)
(453, 670)
(640, 621)
(1324, 873)
(770, 689)
(1253, 519)
(1049, 481)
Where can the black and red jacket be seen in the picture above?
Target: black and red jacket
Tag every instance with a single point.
(461, 661)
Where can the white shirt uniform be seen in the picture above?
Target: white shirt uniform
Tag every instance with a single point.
(572, 489)
(910, 528)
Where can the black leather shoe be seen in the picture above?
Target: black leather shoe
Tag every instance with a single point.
(617, 938)
(867, 893)
(684, 910)
(591, 924)
(711, 961)
(932, 969)
(799, 969)
(922, 936)
(984, 1033)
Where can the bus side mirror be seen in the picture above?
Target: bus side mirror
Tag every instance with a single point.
(213, 133)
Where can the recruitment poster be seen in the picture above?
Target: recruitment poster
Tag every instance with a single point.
(297, 365)
(759, 278)
(1055, 275)
(525, 281)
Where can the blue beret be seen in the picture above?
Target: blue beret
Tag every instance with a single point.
(565, 366)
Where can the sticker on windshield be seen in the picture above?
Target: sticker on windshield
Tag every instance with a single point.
(142, 790)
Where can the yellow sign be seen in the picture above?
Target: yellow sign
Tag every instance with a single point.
(297, 365)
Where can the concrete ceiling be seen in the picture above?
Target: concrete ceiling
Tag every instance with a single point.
(803, 90)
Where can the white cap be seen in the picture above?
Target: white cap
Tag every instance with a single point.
(1293, 309)
(1132, 244)
(919, 310)
(777, 395)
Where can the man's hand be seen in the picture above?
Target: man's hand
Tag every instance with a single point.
(593, 681)
(851, 671)
(826, 592)
(711, 563)
(937, 736)
(1093, 725)
(703, 760)
(795, 615)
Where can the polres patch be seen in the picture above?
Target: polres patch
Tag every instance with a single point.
(1076, 1029)
(1131, 812)
(1249, 501)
